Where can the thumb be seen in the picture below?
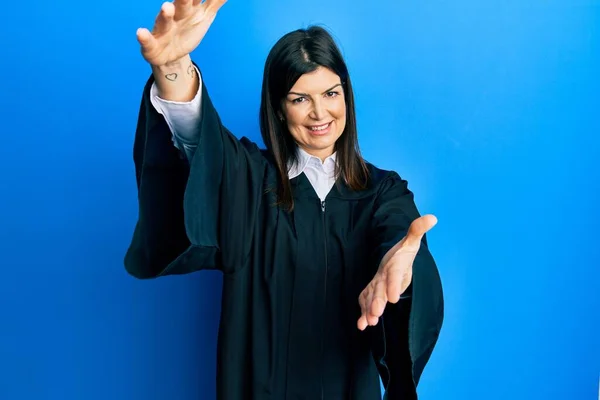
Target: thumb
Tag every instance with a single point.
(418, 228)
(145, 38)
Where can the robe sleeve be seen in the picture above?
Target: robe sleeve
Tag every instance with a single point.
(192, 214)
(403, 340)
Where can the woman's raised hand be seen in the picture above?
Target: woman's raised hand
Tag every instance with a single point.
(179, 28)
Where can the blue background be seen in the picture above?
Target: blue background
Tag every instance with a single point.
(490, 109)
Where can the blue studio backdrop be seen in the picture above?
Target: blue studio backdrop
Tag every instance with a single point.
(488, 108)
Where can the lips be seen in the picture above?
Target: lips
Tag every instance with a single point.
(319, 129)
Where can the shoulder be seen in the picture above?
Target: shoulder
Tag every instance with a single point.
(250, 146)
(253, 151)
(392, 194)
(260, 157)
(382, 180)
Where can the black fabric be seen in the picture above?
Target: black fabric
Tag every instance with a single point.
(291, 280)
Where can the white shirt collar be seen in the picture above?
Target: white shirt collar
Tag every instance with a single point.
(305, 160)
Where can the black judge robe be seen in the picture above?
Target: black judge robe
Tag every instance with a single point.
(291, 281)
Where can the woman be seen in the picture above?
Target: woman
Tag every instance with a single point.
(314, 243)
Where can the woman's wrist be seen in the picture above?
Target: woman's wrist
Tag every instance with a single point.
(176, 81)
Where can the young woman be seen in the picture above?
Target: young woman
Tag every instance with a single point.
(328, 283)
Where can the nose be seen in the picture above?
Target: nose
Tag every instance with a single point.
(318, 110)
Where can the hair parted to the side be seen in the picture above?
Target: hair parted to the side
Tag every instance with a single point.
(295, 54)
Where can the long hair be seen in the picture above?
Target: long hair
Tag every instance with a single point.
(295, 54)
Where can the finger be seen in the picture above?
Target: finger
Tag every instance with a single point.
(371, 319)
(164, 20)
(407, 280)
(362, 320)
(183, 8)
(362, 323)
(397, 276)
(379, 299)
(214, 5)
(146, 40)
(418, 228)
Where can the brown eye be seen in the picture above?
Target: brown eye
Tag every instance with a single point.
(298, 100)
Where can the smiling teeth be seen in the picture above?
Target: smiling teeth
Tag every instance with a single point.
(319, 128)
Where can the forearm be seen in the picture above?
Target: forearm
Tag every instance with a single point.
(177, 81)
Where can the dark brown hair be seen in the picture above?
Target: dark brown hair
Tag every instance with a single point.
(295, 54)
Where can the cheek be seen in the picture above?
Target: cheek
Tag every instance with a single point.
(294, 120)
(294, 117)
(340, 114)
(339, 110)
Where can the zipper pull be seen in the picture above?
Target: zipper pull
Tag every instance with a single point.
(323, 205)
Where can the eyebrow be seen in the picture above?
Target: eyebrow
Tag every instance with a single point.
(307, 95)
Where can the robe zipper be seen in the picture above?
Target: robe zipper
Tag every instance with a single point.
(324, 297)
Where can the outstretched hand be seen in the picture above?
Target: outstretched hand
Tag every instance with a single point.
(179, 28)
(394, 274)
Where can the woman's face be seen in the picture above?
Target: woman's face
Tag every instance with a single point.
(315, 112)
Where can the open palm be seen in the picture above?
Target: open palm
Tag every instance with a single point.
(394, 273)
(179, 28)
